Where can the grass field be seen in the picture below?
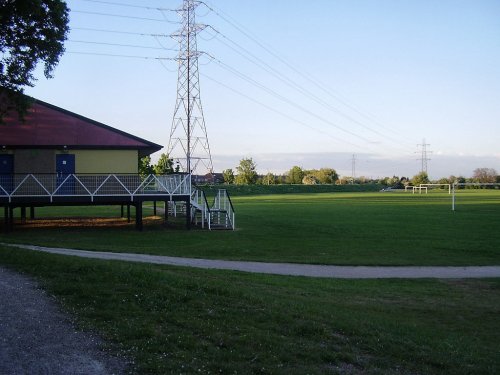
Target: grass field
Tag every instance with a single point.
(324, 228)
(181, 320)
(185, 321)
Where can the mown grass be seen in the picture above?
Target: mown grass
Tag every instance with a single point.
(326, 228)
(183, 321)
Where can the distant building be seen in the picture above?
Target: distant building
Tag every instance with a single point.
(209, 178)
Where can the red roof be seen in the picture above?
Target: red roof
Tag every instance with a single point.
(46, 125)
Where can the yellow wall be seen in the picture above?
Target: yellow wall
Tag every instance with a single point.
(105, 161)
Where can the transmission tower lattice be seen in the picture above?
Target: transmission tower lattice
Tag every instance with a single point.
(353, 172)
(188, 143)
(423, 158)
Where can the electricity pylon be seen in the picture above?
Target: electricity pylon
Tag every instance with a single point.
(424, 159)
(353, 174)
(188, 143)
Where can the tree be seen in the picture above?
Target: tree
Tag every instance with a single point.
(269, 179)
(31, 31)
(145, 167)
(310, 180)
(484, 175)
(443, 181)
(327, 176)
(165, 165)
(344, 180)
(246, 172)
(421, 178)
(228, 176)
(295, 175)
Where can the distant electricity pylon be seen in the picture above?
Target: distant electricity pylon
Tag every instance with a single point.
(423, 158)
(353, 175)
(188, 143)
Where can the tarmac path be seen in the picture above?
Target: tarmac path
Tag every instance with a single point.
(309, 270)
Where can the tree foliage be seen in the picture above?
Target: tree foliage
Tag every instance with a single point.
(247, 174)
(324, 175)
(228, 176)
(310, 179)
(165, 165)
(269, 179)
(295, 175)
(484, 175)
(31, 31)
(145, 167)
(420, 178)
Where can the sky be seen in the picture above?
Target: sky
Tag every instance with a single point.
(324, 81)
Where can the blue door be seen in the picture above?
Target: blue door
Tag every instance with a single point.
(65, 166)
(6, 173)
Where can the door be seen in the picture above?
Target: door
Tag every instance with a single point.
(6, 173)
(65, 166)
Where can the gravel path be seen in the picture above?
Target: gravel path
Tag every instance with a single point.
(36, 337)
(342, 272)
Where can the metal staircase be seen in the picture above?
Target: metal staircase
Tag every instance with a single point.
(218, 216)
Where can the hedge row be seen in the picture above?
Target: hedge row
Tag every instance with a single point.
(239, 190)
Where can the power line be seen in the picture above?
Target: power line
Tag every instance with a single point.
(301, 73)
(124, 16)
(291, 83)
(256, 60)
(120, 32)
(267, 68)
(118, 55)
(288, 101)
(128, 5)
(272, 109)
(118, 45)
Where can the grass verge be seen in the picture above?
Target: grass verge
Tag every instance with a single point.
(182, 320)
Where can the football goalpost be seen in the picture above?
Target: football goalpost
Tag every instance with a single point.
(425, 188)
(458, 184)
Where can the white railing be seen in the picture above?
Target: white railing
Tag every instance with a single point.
(199, 204)
(222, 211)
(219, 215)
(86, 185)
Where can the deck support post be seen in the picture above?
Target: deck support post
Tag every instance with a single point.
(32, 213)
(154, 208)
(188, 214)
(121, 211)
(23, 214)
(11, 218)
(6, 219)
(138, 216)
(128, 213)
(165, 209)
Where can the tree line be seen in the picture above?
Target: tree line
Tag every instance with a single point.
(246, 174)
